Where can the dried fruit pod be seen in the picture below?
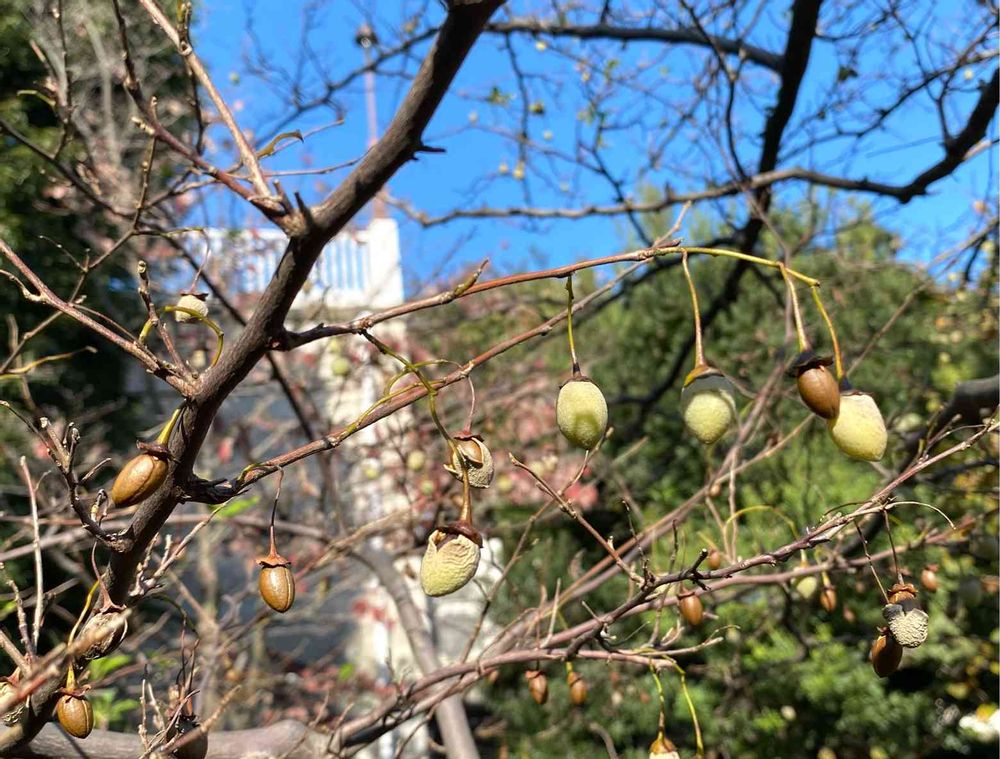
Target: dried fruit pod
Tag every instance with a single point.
(75, 714)
(714, 559)
(903, 593)
(691, 608)
(929, 578)
(7, 686)
(103, 632)
(828, 598)
(908, 626)
(663, 748)
(859, 429)
(538, 685)
(885, 654)
(577, 688)
(192, 302)
(276, 581)
(582, 412)
(451, 559)
(477, 459)
(141, 476)
(195, 746)
(708, 404)
(817, 387)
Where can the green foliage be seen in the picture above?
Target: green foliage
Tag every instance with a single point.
(788, 678)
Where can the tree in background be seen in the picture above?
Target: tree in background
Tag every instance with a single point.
(719, 595)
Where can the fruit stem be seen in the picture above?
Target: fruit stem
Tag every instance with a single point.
(662, 723)
(432, 391)
(219, 334)
(699, 350)
(838, 362)
(274, 509)
(83, 611)
(699, 746)
(811, 281)
(800, 332)
(569, 324)
(164, 437)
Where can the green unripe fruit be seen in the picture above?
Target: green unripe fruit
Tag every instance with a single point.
(708, 405)
(582, 413)
(451, 559)
(807, 587)
(859, 430)
(340, 366)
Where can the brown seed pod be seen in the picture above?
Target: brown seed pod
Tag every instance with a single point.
(103, 632)
(195, 746)
(817, 387)
(477, 459)
(75, 714)
(828, 598)
(141, 476)
(886, 654)
(538, 685)
(902, 592)
(577, 688)
(714, 559)
(276, 581)
(929, 578)
(691, 608)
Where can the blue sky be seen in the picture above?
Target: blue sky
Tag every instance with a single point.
(454, 179)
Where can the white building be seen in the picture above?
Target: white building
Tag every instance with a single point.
(358, 272)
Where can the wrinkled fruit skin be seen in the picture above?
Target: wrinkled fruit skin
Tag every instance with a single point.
(582, 413)
(104, 632)
(473, 450)
(12, 717)
(448, 564)
(859, 430)
(139, 479)
(538, 686)
(818, 390)
(663, 748)
(197, 747)
(886, 654)
(908, 626)
(708, 405)
(194, 303)
(277, 587)
(75, 715)
(692, 610)
(577, 689)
